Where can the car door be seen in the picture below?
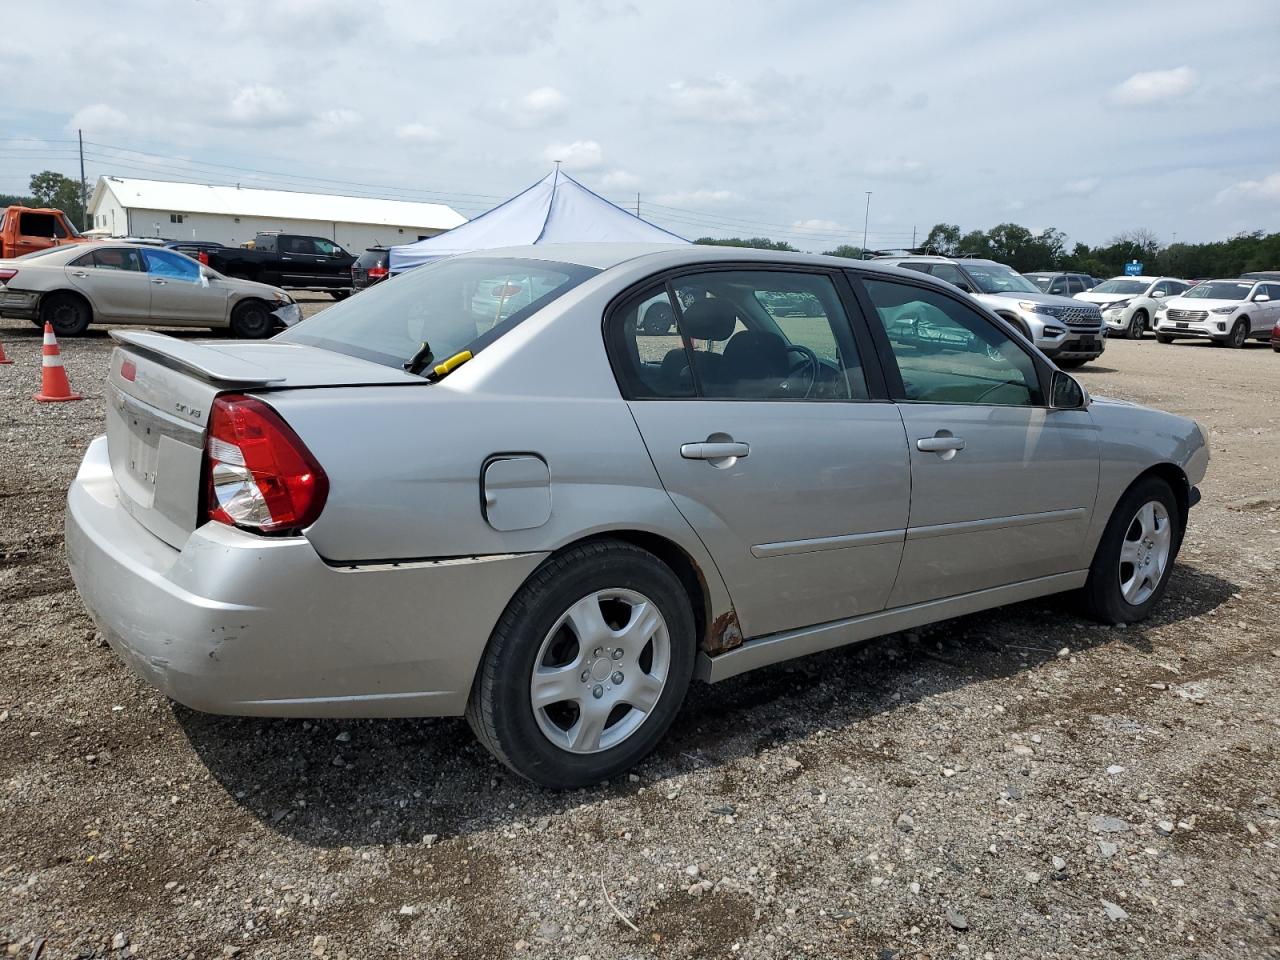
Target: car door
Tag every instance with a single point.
(298, 261)
(773, 437)
(115, 281)
(1002, 487)
(325, 268)
(1269, 315)
(180, 294)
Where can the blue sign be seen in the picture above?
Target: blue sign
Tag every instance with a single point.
(1133, 268)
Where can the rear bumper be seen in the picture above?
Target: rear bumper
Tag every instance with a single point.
(19, 304)
(241, 624)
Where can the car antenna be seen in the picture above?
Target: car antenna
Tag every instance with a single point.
(421, 359)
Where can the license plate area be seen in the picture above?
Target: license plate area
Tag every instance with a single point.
(1182, 324)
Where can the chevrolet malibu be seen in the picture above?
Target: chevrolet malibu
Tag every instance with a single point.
(552, 517)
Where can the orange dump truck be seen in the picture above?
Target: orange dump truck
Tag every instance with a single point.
(26, 229)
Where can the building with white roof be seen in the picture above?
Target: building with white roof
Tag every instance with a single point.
(128, 207)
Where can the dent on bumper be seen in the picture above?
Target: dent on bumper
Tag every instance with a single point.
(242, 624)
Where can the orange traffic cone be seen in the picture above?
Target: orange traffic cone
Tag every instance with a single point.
(3, 358)
(53, 379)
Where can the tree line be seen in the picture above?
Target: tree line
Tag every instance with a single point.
(50, 189)
(1025, 250)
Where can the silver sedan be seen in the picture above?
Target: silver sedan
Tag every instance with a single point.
(74, 285)
(551, 512)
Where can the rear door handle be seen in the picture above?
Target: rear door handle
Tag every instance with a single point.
(158, 282)
(80, 275)
(712, 450)
(940, 444)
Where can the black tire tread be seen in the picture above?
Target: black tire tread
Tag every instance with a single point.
(480, 711)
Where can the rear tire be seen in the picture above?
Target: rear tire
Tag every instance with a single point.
(1135, 556)
(1137, 325)
(339, 294)
(69, 315)
(549, 627)
(251, 320)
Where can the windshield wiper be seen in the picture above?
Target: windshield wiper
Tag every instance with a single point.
(420, 360)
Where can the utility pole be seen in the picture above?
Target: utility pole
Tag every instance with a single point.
(637, 206)
(865, 219)
(84, 188)
(913, 237)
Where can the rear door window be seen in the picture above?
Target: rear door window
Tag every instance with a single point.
(116, 258)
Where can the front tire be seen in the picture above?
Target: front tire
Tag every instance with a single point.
(1137, 325)
(587, 667)
(1134, 559)
(251, 320)
(1239, 333)
(339, 294)
(69, 315)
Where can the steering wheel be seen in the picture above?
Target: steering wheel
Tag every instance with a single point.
(808, 359)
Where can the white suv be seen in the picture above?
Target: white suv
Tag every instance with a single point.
(1129, 303)
(1228, 312)
(1067, 330)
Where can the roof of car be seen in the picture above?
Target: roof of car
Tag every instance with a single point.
(602, 256)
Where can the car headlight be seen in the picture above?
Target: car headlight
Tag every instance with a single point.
(1224, 310)
(1032, 306)
(1117, 305)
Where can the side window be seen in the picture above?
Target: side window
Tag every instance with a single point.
(646, 350)
(918, 267)
(950, 273)
(950, 353)
(117, 258)
(741, 346)
(1059, 286)
(36, 225)
(325, 248)
(171, 266)
(1074, 285)
(737, 335)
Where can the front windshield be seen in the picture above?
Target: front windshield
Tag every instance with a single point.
(1219, 290)
(1120, 285)
(997, 278)
(457, 304)
(1040, 280)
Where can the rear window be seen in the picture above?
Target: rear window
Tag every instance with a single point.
(454, 305)
(373, 258)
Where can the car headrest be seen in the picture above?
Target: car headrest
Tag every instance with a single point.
(710, 320)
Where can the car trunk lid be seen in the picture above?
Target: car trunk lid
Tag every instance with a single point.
(160, 391)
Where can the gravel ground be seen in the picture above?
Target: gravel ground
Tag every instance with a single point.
(1020, 783)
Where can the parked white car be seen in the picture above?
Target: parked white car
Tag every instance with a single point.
(1226, 311)
(1129, 303)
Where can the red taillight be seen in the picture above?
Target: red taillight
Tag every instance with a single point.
(6, 275)
(259, 475)
(128, 370)
(203, 257)
(377, 273)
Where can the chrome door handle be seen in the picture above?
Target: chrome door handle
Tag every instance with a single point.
(158, 282)
(713, 450)
(80, 275)
(939, 444)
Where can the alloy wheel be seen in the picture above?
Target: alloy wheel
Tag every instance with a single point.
(1144, 552)
(600, 671)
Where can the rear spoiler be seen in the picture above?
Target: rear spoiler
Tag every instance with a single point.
(206, 362)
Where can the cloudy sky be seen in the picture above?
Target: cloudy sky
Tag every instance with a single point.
(727, 118)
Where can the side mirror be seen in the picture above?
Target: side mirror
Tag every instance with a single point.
(1066, 393)
(1261, 298)
(1157, 294)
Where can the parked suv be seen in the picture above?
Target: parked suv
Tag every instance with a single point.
(370, 267)
(1069, 331)
(1060, 283)
(1129, 303)
(1228, 312)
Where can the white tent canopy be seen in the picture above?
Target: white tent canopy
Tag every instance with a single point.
(556, 209)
